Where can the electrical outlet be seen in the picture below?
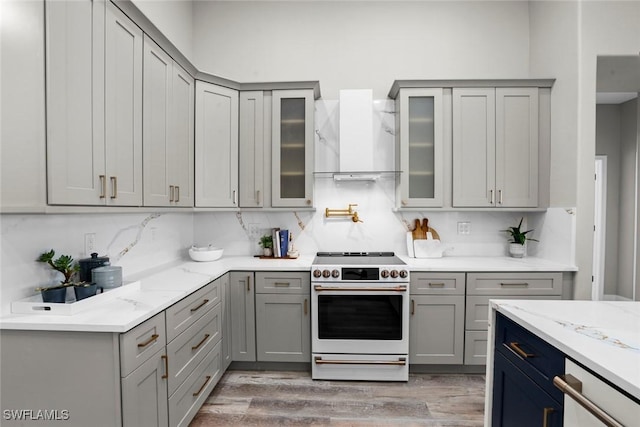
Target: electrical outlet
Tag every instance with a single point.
(254, 231)
(89, 243)
(464, 227)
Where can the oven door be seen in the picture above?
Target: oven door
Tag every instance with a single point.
(363, 318)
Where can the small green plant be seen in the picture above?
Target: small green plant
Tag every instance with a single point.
(266, 241)
(518, 236)
(64, 264)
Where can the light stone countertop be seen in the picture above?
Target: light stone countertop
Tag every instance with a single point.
(604, 336)
(159, 288)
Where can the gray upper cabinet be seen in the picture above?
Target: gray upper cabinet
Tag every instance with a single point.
(292, 148)
(495, 147)
(254, 144)
(168, 130)
(420, 141)
(216, 150)
(94, 105)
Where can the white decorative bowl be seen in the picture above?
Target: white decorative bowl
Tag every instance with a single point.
(206, 253)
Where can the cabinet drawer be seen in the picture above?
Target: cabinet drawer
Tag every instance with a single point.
(437, 283)
(191, 346)
(140, 343)
(475, 347)
(514, 283)
(539, 360)
(182, 314)
(185, 402)
(477, 309)
(282, 282)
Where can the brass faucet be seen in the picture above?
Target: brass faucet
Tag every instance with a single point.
(343, 212)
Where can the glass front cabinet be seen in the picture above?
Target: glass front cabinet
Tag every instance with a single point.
(292, 143)
(420, 156)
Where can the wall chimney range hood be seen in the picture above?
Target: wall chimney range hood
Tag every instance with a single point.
(356, 136)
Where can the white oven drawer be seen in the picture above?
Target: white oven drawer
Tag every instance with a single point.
(360, 367)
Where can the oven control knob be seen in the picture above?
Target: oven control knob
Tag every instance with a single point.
(335, 273)
(394, 273)
(403, 274)
(326, 273)
(384, 274)
(317, 273)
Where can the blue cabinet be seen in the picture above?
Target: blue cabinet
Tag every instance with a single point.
(524, 367)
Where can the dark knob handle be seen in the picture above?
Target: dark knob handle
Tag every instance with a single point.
(335, 274)
(394, 273)
(317, 273)
(403, 274)
(326, 273)
(384, 274)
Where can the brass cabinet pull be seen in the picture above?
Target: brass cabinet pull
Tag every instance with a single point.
(258, 196)
(171, 192)
(545, 416)
(177, 193)
(500, 197)
(572, 387)
(114, 186)
(281, 284)
(248, 283)
(516, 347)
(513, 284)
(413, 307)
(436, 285)
(306, 303)
(202, 304)
(206, 337)
(491, 196)
(401, 362)
(103, 186)
(234, 197)
(166, 366)
(320, 288)
(149, 341)
(203, 386)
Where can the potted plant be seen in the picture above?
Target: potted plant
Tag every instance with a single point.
(266, 242)
(518, 240)
(65, 265)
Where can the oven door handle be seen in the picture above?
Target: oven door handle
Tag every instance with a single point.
(320, 288)
(401, 361)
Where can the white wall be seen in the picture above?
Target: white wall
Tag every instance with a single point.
(174, 18)
(353, 45)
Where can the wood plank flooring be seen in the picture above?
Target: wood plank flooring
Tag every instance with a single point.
(274, 398)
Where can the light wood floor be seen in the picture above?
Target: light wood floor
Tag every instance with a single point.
(252, 398)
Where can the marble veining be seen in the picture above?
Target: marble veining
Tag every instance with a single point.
(140, 228)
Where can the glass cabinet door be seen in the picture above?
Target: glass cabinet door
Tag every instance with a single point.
(292, 148)
(421, 152)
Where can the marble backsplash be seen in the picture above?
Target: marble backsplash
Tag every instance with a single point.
(139, 242)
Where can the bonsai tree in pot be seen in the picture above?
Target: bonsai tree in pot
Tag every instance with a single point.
(518, 240)
(266, 242)
(67, 266)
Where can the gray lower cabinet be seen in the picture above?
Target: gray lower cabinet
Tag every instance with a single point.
(481, 287)
(436, 324)
(243, 317)
(226, 322)
(283, 318)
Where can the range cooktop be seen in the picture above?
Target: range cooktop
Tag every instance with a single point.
(357, 258)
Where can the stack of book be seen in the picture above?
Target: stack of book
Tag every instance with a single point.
(280, 242)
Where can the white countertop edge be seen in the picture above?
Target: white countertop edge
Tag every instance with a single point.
(583, 353)
(486, 264)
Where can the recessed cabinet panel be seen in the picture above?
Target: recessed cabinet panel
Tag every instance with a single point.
(181, 132)
(252, 144)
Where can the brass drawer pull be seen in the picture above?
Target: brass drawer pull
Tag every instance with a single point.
(171, 193)
(103, 186)
(516, 347)
(545, 416)
(149, 341)
(166, 366)
(177, 194)
(281, 284)
(522, 284)
(206, 337)
(572, 387)
(203, 386)
(114, 186)
(401, 362)
(436, 285)
(202, 304)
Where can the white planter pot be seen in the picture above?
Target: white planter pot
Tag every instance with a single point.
(517, 250)
(267, 252)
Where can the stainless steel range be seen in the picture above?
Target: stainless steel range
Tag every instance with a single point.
(360, 322)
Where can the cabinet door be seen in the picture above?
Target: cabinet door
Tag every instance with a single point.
(243, 317)
(283, 328)
(517, 147)
(518, 401)
(252, 150)
(292, 145)
(144, 395)
(436, 329)
(181, 133)
(75, 102)
(123, 109)
(421, 147)
(474, 150)
(226, 322)
(158, 67)
(216, 165)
